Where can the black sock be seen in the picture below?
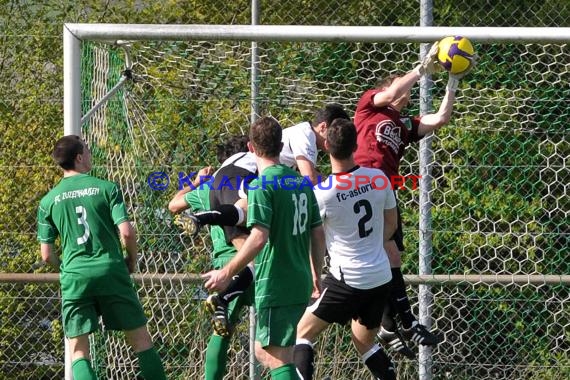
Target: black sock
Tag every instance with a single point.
(239, 284)
(304, 359)
(388, 321)
(381, 366)
(400, 299)
(223, 215)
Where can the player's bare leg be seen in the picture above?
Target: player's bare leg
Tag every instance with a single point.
(80, 359)
(279, 360)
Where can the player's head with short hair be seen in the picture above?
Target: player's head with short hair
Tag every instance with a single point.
(71, 150)
(386, 81)
(323, 118)
(265, 137)
(394, 81)
(341, 139)
(328, 113)
(235, 144)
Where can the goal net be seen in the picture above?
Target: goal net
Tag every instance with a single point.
(498, 201)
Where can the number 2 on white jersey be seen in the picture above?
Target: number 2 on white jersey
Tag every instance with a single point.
(82, 220)
(362, 230)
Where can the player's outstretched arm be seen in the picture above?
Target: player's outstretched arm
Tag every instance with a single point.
(400, 87)
(307, 169)
(178, 203)
(397, 89)
(431, 122)
(434, 121)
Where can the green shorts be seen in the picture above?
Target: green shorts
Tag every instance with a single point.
(277, 326)
(119, 312)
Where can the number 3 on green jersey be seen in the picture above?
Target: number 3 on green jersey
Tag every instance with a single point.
(82, 220)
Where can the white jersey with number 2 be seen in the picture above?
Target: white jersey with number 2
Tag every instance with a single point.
(352, 208)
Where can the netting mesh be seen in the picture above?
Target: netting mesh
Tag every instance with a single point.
(131, 137)
(500, 197)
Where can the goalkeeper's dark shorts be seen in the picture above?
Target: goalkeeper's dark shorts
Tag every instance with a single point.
(398, 236)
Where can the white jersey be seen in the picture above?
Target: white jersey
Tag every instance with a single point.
(244, 160)
(298, 140)
(353, 219)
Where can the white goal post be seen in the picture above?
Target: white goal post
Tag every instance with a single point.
(75, 34)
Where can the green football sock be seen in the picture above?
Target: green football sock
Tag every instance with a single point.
(82, 370)
(151, 365)
(285, 372)
(217, 357)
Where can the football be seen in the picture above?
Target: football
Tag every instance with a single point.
(455, 53)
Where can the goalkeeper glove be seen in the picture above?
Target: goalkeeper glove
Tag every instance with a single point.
(189, 224)
(429, 64)
(453, 80)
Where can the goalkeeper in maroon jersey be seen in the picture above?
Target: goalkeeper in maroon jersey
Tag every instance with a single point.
(384, 132)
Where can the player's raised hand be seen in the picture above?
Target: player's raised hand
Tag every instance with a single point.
(205, 171)
(453, 80)
(203, 175)
(429, 64)
(316, 292)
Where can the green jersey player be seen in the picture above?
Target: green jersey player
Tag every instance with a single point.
(199, 197)
(285, 225)
(90, 218)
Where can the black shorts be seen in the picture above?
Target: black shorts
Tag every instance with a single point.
(398, 236)
(339, 303)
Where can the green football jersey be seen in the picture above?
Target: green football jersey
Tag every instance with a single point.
(283, 202)
(222, 252)
(84, 212)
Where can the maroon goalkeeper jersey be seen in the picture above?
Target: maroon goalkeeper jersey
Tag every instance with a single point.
(382, 134)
